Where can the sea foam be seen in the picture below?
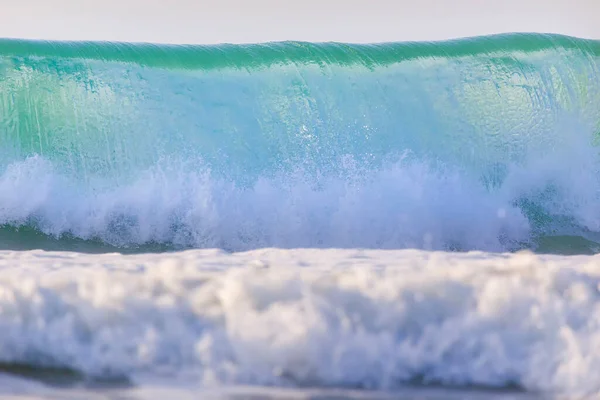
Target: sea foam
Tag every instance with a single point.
(305, 318)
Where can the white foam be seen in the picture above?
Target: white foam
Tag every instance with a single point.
(405, 204)
(336, 318)
(402, 205)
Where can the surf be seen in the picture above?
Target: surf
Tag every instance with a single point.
(516, 325)
(476, 144)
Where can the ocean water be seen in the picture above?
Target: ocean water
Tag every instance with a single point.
(301, 220)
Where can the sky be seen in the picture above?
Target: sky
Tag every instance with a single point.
(243, 21)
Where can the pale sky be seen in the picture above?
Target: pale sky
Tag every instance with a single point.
(239, 21)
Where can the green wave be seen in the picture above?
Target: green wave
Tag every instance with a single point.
(96, 119)
(88, 104)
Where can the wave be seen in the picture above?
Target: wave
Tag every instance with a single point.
(485, 143)
(369, 319)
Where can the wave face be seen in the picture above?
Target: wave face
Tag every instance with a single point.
(486, 143)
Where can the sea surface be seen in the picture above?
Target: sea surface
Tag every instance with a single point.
(301, 220)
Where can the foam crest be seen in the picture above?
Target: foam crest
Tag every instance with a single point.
(406, 204)
(409, 203)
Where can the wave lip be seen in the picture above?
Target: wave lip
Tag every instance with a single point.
(317, 318)
(272, 54)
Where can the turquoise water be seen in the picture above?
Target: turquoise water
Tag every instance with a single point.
(484, 143)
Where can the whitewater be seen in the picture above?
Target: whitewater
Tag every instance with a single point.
(292, 220)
